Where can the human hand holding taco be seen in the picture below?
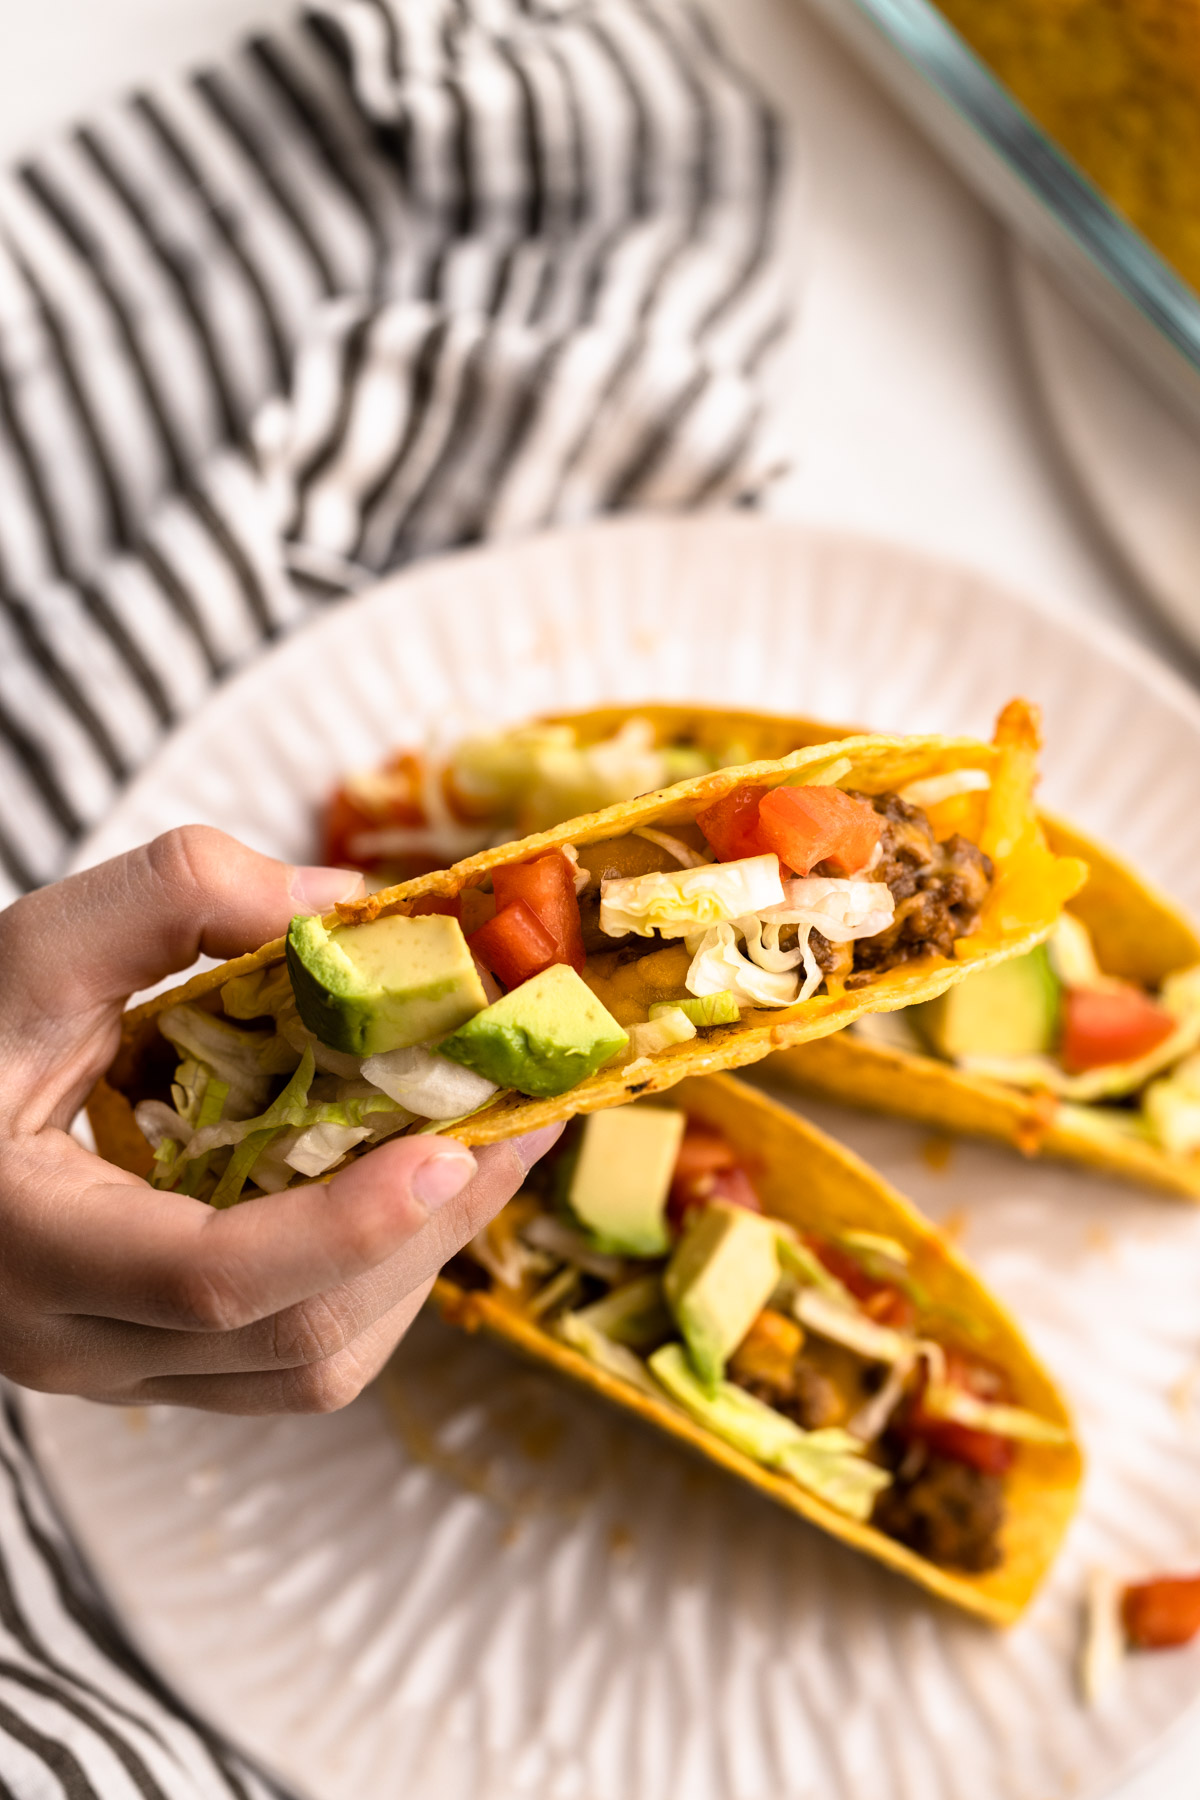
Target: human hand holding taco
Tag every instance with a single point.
(113, 1291)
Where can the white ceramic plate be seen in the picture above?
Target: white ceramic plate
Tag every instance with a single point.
(1138, 465)
(524, 1594)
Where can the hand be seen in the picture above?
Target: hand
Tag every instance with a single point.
(119, 1292)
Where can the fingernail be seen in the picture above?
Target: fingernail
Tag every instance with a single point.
(536, 1143)
(317, 890)
(442, 1176)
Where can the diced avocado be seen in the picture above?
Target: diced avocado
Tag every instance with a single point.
(709, 1009)
(386, 985)
(622, 1175)
(1009, 1010)
(543, 1039)
(720, 1277)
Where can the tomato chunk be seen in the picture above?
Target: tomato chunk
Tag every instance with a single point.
(547, 887)
(810, 825)
(707, 1169)
(983, 1450)
(1110, 1025)
(881, 1300)
(731, 825)
(1163, 1612)
(342, 823)
(514, 944)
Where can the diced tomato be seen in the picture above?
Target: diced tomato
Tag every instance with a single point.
(1110, 1025)
(891, 1306)
(983, 1450)
(810, 825)
(707, 1169)
(735, 1187)
(1163, 1612)
(547, 887)
(514, 944)
(343, 822)
(703, 1153)
(447, 906)
(882, 1301)
(731, 825)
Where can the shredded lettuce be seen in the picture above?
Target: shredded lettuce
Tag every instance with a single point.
(160, 1123)
(798, 1260)
(718, 966)
(274, 1120)
(684, 855)
(831, 1319)
(428, 1084)
(319, 1147)
(829, 1464)
(258, 995)
(208, 1112)
(616, 1359)
(243, 1059)
(634, 1313)
(842, 911)
(561, 1240)
(863, 1244)
(704, 1010)
(933, 789)
(677, 902)
(1104, 1646)
(670, 1026)
(941, 1401)
(541, 775)
(1172, 1112)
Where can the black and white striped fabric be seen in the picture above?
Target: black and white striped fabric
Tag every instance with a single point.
(81, 1715)
(406, 274)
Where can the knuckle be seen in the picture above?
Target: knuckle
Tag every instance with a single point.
(326, 1387)
(200, 1299)
(308, 1334)
(186, 855)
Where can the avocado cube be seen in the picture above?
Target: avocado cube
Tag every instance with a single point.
(386, 985)
(1009, 1010)
(622, 1175)
(720, 1277)
(542, 1039)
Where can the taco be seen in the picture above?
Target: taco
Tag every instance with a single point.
(695, 928)
(716, 1265)
(1087, 1050)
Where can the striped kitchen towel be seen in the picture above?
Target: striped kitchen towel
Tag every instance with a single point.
(407, 274)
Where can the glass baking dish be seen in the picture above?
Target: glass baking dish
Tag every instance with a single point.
(1144, 308)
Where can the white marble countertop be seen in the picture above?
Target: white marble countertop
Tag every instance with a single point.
(910, 408)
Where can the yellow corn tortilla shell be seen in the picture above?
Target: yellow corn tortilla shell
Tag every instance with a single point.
(1139, 934)
(1030, 887)
(817, 1185)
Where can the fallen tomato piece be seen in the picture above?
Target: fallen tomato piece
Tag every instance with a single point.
(810, 825)
(514, 945)
(731, 825)
(547, 887)
(1110, 1025)
(1162, 1613)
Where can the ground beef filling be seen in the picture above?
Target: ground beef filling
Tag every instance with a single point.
(939, 890)
(947, 1511)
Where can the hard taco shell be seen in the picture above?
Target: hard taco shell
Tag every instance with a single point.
(817, 1185)
(1026, 897)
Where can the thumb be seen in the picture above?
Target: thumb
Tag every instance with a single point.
(95, 938)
